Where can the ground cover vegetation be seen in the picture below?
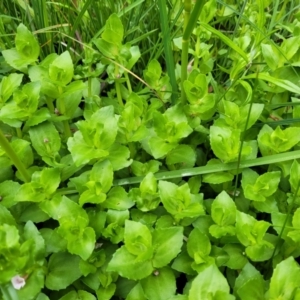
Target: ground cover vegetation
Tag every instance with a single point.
(149, 149)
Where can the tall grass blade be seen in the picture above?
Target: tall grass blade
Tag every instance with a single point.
(166, 38)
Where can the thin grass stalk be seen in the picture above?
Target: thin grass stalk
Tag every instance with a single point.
(14, 157)
(190, 20)
(167, 47)
(208, 169)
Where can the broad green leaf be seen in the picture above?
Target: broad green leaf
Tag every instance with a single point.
(8, 85)
(183, 155)
(179, 202)
(142, 169)
(118, 199)
(106, 293)
(138, 240)
(119, 156)
(113, 32)
(137, 293)
(162, 239)
(81, 152)
(6, 216)
(34, 285)
(258, 188)
(78, 295)
(276, 141)
(223, 210)
(26, 44)
(8, 190)
(295, 234)
(250, 231)
(198, 246)
(152, 73)
(63, 270)
(250, 284)
(53, 241)
(45, 140)
(225, 143)
(126, 265)
(272, 56)
(237, 258)
(160, 285)
(208, 283)
(80, 241)
(285, 279)
(63, 209)
(108, 49)
(61, 70)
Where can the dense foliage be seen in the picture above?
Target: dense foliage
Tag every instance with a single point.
(132, 175)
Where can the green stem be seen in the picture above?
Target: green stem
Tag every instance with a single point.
(128, 82)
(19, 132)
(62, 110)
(118, 85)
(190, 21)
(14, 157)
(50, 105)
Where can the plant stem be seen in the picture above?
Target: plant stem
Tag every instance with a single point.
(167, 47)
(62, 110)
(190, 20)
(128, 82)
(14, 157)
(118, 86)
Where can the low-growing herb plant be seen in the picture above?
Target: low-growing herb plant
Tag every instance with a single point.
(181, 182)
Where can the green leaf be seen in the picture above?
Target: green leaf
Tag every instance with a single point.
(63, 270)
(137, 293)
(63, 209)
(179, 202)
(45, 140)
(95, 138)
(250, 284)
(237, 258)
(294, 176)
(8, 86)
(160, 285)
(285, 279)
(106, 293)
(276, 141)
(107, 49)
(126, 265)
(198, 246)
(26, 44)
(6, 217)
(113, 31)
(26, 52)
(209, 283)
(226, 144)
(138, 240)
(78, 295)
(61, 70)
(118, 199)
(162, 239)
(119, 156)
(183, 155)
(223, 210)
(152, 73)
(258, 188)
(272, 56)
(80, 241)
